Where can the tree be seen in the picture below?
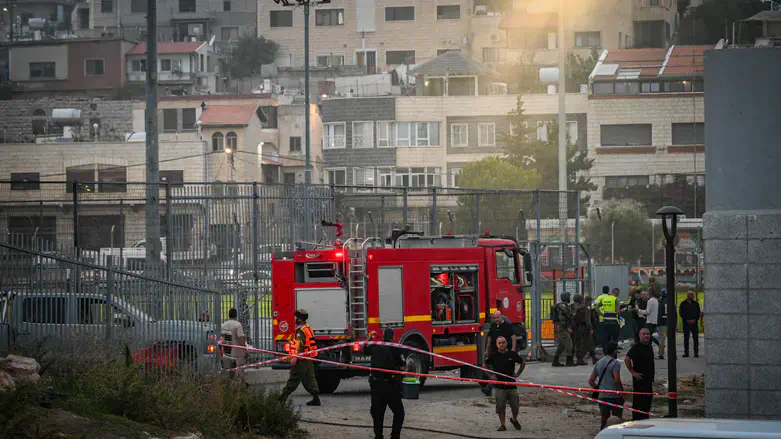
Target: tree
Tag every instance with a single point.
(679, 193)
(542, 156)
(631, 233)
(712, 20)
(250, 54)
(524, 76)
(579, 69)
(499, 212)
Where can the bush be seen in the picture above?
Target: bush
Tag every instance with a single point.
(19, 411)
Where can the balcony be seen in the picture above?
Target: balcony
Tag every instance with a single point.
(363, 141)
(334, 142)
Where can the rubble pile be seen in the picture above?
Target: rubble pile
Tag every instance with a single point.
(15, 369)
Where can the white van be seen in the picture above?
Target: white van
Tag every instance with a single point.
(693, 429)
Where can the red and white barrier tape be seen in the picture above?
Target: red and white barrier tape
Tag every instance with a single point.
(516, 382)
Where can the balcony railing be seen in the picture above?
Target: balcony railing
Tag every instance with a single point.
(333, 142)
(363, 141)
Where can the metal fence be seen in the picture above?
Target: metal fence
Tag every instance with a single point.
(217, 238)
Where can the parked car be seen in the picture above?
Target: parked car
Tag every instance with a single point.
(694, 429)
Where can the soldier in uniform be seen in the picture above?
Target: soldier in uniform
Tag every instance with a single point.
(564, 331)
(593, 316)
(302, 371)
(580, 329)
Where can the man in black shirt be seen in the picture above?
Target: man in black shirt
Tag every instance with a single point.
(503, 362)
(640, 363)
(690, 313)
(499, 328)
(386, 387)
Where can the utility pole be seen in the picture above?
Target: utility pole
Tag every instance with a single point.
(307, 164)
(563, 195)
(152, 208)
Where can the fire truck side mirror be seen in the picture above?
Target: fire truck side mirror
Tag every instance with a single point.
(527, 268)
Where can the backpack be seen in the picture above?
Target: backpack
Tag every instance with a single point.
(554, 313)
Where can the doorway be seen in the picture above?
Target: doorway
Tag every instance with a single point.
(368, 59)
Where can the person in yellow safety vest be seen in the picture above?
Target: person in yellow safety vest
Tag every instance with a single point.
(302, 342)
(598, 309)
(608, 307)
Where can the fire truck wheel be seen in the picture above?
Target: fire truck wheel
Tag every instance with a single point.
(416, 362)
(327, 382)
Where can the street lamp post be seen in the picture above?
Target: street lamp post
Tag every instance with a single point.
(669, 216)
(613, 242)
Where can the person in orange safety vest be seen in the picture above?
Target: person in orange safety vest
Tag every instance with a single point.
(302, 342)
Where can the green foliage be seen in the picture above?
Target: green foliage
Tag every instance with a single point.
(523, 77)
(250, 54)
(579, 69)
(19, 412)
(679, 193)
(712, 20)
(632, 232)
(497, 173)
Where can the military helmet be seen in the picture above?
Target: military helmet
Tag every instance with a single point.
(565, 297)
(302, 314)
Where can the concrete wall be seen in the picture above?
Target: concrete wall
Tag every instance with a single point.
(22, 56)
(742, 231)
(661, 111)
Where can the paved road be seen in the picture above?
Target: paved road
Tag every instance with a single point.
(460, 407)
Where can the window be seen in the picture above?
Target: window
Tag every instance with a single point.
(385, 134)
(334, 135)
(603, 88)
(363, 177)
(226, 5)
(683, 86)
(494, 54)
(572, 132)
(329, 17)
(459, 134)
(448, 12)
(49, 310)
(455, 177)
(80, 174)
(112, 174)
(416, 133)
(174, 178)
(627, 88)
(232, 141)
(506, 267)
(385, 177)
(229, 33)
(39, 121)
(188, 119)
(269, 117)
(218, 142)
(650, 87)
(289, 178)
(330, 60)
(93, 67)
(626, 135)
(588, 39)
(170, 120)
(654, 3)
(25, 181)
(186, 5)
(165, 65)
(281, 18)
(418, 177)
(542, 131)
(336, 176)
(623, 181)
(487, 134)
(137, 6)
(689, 133)
(400, 13)
(363, 134)
(398, 57)
(42, 70)
(295, 145)
(106, 6)
(139, 65)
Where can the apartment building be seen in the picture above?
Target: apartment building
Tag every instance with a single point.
(183, 67)
(16, 16)
(76, 67)
(178, 20)
(646, 120)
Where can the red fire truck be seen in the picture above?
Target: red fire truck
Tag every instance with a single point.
(436, 293)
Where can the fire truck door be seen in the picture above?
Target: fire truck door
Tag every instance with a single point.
(506, 284)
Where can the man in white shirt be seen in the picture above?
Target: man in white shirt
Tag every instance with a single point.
(651, 312)
(233, 334)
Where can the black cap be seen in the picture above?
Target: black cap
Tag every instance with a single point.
(605, 289)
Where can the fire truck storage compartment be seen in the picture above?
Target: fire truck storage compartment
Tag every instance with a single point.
(410, 241)
(311, 272)
(327, 308)
(454, 294)
(391, 295)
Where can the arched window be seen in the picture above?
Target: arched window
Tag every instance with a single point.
(218, 142)
(231, 141)
(39, 120)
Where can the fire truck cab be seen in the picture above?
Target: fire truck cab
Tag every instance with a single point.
(436, 292)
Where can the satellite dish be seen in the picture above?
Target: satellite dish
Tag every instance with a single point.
(211, 40)
(720, 44)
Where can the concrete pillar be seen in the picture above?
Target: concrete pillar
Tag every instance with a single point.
(742, 233)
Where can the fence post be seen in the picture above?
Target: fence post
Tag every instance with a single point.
(382, 214)
(539, 229)
(121, 231)
(255, 268)
(434, 212)
(168, 221)
(75, 187)
(578, 274)
(477, 214)
(109, 290)
(405, 209)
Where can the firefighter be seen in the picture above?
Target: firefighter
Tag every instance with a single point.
(302, 371)
(386, 387)
(562, 315)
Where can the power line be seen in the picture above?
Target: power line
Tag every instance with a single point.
(135, 164)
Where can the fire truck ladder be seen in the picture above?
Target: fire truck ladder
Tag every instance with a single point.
(356, 278)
